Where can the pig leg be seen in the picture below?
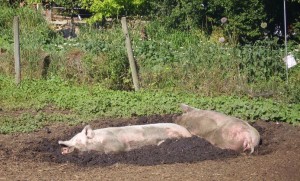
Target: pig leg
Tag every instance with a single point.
(248, 144)
(235, 138)
(215, 137)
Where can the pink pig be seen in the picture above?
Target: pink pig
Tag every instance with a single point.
(223, 131)
(118, 139)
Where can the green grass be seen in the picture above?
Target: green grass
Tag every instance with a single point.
(27, 122)
(88, 75)
(86, 103)
(169, 60)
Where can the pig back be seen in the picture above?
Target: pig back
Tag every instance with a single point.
(165, 131)
(197, 123)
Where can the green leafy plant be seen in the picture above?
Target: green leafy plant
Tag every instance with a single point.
(110, 8)
(33, 1)
(243, 18)
(85, 103)
(170, 60)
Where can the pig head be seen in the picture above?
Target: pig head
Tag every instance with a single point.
(79, 141)
(221, 130)
(118, 139)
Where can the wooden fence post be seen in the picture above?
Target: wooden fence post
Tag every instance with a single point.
(130, 54)
(17, 50)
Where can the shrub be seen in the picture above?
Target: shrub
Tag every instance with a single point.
(244, 17)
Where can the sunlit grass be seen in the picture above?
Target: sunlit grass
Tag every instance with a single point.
(85, 103)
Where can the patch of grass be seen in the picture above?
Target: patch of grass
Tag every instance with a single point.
(168, 60)
(28, 122)
(190, 61)
(89, 102)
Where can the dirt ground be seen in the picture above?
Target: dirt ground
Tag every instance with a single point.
(36, 156)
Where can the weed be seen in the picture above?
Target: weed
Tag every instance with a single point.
(89, 102)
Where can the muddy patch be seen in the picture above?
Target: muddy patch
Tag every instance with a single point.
(187, 150)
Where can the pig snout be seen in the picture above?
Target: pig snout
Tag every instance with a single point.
(66, 150)
(79, 141)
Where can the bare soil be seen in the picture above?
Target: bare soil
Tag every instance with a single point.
(36, 156)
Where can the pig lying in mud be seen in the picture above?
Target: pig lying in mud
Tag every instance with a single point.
(223, 131)
(118, 139)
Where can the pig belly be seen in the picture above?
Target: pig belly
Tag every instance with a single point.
(129, 138)
(133, 140)
(107, 144)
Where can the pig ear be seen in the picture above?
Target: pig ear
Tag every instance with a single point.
(186, 108)
(87, 130)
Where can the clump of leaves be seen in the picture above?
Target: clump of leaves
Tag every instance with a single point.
(89, 102)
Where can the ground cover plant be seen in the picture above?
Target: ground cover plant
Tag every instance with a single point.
(88, 76)
(169, 59)
(41, 102)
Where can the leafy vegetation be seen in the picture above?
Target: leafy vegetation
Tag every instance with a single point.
(110, 8)
(243, 23)
(89, 75)
(87, 103)
(170, 59)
